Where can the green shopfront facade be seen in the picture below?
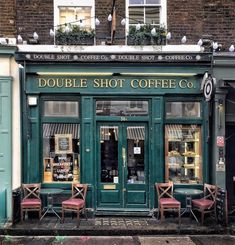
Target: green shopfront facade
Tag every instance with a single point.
(120, 123)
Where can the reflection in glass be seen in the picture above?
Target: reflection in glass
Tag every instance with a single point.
(135, 154)
(61, 108)
(183, 109)
(121, 108)
(109, 153)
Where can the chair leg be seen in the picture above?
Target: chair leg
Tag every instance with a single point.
(40, 213)
(78, 218)
(179, 216)
(62, 218)
(162, 214)
(22, 214)
(202, 218)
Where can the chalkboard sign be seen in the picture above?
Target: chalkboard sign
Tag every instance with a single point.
(63, 143)
(221, 207)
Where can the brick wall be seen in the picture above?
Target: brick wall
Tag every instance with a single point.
(197, 18)
(193, 18)
(35, 16)
(103, 31)
(7, 18)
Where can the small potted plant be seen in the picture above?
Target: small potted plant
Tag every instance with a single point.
(146, 35)
(74, 35)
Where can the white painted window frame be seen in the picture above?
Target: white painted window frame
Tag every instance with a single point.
(73, 3)
(163, 13)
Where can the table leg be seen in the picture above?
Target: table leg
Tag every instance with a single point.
(188, 207)
(50, 207)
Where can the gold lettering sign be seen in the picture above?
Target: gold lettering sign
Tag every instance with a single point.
(112, 83)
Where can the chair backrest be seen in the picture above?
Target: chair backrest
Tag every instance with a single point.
(210, 192)
(164, 190)
(31, 190)
(79, 190)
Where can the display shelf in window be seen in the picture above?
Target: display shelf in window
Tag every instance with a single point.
(183, 154)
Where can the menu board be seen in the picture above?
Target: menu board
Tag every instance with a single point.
(63, 143)
(221, 207)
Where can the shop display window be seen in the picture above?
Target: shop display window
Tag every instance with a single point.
(183, 153)
(61, 152)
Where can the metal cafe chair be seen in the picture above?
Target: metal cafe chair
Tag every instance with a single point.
(76, 203)
(31, 199)
(166, 201)
(207, 204)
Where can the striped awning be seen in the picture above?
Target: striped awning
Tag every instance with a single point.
(133, 132)
(174, 131)
(50, 129)
(136, 132)
(106, 132)
(179, 131)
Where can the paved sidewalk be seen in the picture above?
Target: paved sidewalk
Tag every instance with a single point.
(114, 226)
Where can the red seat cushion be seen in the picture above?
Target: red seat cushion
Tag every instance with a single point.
(31, 202)
(74, 202)
(204, 203)
(169, 201)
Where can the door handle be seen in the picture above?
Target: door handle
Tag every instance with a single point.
(124, 156)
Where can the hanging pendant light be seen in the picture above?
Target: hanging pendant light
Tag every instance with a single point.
(97, 22)
(153, 32)
(168, 36)
(184, 40)
(19, 39)
(231, 48)
(123, 22)
(200, 42)
(138, 27)
(110, 17)
(35, 36)
(67, 29)
(52, 33)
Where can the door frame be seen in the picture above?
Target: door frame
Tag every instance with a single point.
(123, 188)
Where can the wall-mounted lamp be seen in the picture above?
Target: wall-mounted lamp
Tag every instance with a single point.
(32, 100)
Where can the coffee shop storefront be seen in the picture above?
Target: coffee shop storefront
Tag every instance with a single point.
(118, 122)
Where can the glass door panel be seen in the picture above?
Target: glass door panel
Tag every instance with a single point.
(109, 153)
(135, 154)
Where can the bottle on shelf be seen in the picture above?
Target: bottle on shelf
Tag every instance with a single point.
(47, 170)
(75, 171)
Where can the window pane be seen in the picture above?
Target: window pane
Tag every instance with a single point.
(61, 153)
(135, 154)
(136, 2)
(71, 14)
(183, 153)
(183, 109)
(61, 109)
(153, 1)
(109, 153)
(136, 15)
(121, 108)
(152, 15)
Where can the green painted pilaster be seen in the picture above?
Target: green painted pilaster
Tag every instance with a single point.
(218, 129)
(5, 147)
(87, 148)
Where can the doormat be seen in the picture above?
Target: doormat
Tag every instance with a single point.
(120, 222)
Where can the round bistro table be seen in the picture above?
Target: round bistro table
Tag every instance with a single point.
(50, 192)
(188, 193)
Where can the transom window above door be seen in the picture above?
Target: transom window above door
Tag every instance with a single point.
(121, 108)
